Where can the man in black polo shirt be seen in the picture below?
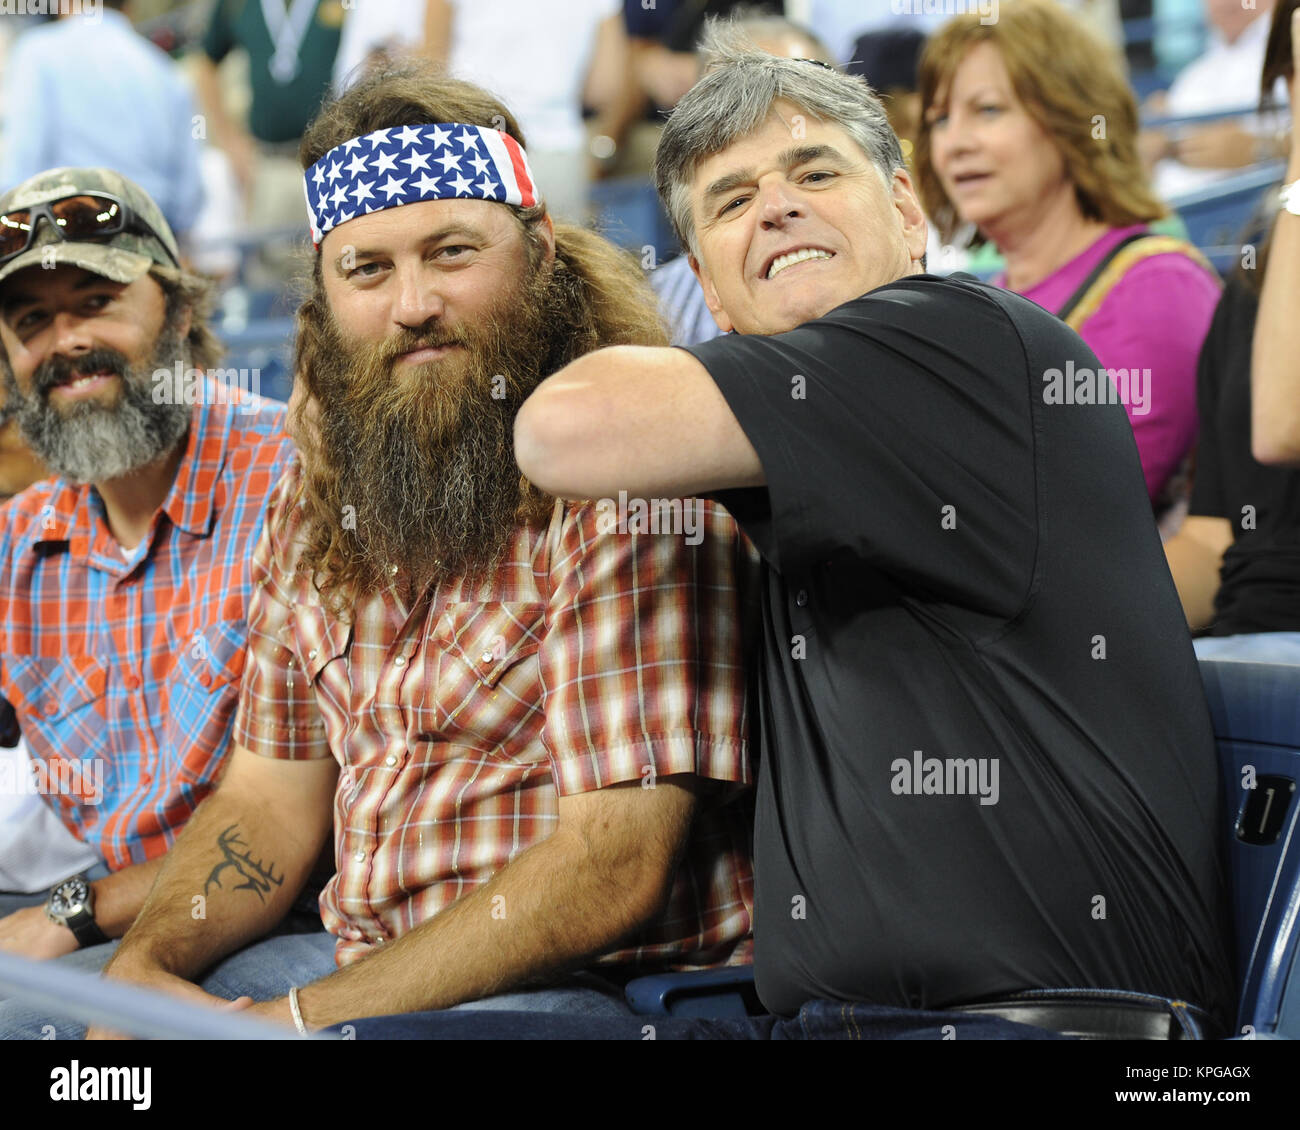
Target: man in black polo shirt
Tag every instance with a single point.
(987, 765)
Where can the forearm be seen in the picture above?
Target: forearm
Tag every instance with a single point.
(231, 876)
(119, 897)
(1195, 568)
(1275, 363)
(611, 88)
(207, 86)
(551, 908)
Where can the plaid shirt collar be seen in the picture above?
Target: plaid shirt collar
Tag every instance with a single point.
(73, 511)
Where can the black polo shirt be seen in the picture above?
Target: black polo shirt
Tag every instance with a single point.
(986, 759)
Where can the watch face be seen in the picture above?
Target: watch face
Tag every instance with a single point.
(68, 898)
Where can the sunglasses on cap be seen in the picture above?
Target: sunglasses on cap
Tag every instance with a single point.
(84, 217)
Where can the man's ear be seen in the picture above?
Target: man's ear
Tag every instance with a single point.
(546, 226)
(710, 295)
(916, 231)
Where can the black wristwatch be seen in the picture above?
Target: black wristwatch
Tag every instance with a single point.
(72, 904)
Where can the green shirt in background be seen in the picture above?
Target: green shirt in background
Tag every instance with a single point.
(278, 112)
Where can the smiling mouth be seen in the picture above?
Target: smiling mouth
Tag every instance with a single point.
(81, 382)
(793, 258)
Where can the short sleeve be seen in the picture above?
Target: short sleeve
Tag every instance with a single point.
(278, 715)
(897, 428)
(642, 665)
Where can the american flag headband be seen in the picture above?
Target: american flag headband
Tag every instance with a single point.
(390, 167)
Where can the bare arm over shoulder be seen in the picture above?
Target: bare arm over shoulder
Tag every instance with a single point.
(646, 420)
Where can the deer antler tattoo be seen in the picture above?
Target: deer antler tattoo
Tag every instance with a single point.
(257, 877)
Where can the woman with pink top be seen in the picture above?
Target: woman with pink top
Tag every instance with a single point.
(1030, 135)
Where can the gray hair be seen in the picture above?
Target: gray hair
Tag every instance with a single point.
(735, 97)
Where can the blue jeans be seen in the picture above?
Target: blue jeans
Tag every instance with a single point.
(817, 1020)
(1263, 647)
(269, 968)
(264, 970)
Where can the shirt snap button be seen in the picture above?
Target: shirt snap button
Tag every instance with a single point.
(400, 661)
(391, 759)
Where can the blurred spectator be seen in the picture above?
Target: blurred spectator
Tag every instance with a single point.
(681, 299)
(375, 31)
(888, 60)
(1055, 182)
(80, 91)
(1275, 365)
(291, 45)
(664, 36)
(546, 59)
(841, 23)
(1225, 77)
(1236, 559)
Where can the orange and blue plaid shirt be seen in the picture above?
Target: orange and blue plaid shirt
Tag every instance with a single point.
(124, 669)
(587, 658)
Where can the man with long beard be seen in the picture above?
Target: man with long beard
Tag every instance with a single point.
(529, 722)
(123, 592)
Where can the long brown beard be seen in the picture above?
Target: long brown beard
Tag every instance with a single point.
(414, 466)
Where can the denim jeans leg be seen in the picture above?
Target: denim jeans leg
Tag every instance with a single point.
(271, 967)
(21, 1021)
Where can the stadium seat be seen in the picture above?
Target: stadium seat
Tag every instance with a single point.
(1255, 709)
(628, 213)
(709, 993)
(1217, 215)
(1256, 712)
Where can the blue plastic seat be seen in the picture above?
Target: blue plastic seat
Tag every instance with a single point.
(709, 993)
(1256, 713)
(1217, 214)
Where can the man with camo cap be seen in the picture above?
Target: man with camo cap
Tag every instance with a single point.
(123, 579)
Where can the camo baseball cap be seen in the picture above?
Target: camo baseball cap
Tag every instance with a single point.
(123, 257)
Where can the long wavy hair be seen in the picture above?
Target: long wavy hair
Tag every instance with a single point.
(1071, 83)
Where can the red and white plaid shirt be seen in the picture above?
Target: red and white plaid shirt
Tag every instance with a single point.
(587, 658)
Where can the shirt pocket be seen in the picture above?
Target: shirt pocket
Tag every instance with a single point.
(62, 710)
(487, 678)
(55, 692)
(202, 691)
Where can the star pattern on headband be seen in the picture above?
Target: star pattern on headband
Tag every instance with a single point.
(404, 165)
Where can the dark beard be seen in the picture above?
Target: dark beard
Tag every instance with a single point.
(415, 465)
(94, 442)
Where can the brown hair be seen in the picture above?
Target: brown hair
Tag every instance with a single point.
(1278, 63)
(1070, 82)
(183, 290)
